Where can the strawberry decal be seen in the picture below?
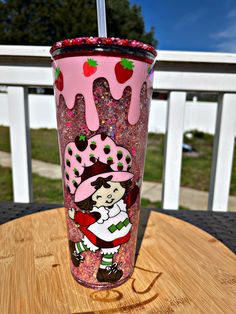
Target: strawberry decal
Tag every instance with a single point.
(128, 159)
(81, 142)
(124, 70)
(76, 172)
(119, 155)
(93, 145)
(110, 160)
(92, 158)
(58, 79)
(120, 166)
(107, 149)
(78, 158)
(90, 67)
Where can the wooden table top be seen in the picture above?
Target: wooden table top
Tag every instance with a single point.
(179, 269)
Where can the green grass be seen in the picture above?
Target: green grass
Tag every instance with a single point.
(154, 158)
(195, 170)
(44, 190)
(6, 192)
(4, 139)
(43, 144)
(145, 203)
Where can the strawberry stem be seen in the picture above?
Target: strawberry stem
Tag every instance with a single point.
(92, 62)
(82, 137)
(127, 64)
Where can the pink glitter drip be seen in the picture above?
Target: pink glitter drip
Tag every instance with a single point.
(75, 83)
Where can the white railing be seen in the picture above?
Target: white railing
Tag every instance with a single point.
(176, 73)
(199, 115)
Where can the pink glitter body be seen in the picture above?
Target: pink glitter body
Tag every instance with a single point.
(91, 106)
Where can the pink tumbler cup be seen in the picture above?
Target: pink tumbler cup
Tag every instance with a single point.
(103, 88)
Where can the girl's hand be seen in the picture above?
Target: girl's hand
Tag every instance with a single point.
(86, 219)
(71, 213)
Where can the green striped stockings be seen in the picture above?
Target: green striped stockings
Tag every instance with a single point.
(80, 247)
(106, 258)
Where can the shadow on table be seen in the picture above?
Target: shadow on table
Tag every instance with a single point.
(143, 220)
(221, 225)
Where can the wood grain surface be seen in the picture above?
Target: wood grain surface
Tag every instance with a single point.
(179, 269)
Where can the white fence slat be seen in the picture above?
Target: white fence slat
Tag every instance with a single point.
(194, 56)
(41, 76)
(173, 150)
(23, 75)
(223, 153)
(20, 144)
(194, 81)
(25, 51)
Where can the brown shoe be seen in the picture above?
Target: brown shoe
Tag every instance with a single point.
(75, 256)
(109, 274)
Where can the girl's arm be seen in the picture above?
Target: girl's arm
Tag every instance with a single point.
(131, 196)
(84, 219)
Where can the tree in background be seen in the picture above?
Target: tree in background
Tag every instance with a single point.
(42, 22)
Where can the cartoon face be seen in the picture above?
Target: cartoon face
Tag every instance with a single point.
(108, 196)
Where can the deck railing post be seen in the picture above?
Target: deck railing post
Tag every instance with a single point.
(20, 143)
(173, 150)
(223, 153)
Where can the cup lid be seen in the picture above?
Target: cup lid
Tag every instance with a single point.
(83, 43)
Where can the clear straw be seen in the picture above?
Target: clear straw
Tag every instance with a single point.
(101, 17)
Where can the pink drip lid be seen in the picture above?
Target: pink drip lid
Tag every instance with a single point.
(104, 43)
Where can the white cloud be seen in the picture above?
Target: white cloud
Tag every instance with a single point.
(225, 40)
(232, 14)
(227, 46)
(189, 19)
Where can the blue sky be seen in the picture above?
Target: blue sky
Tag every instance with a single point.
(190, 25)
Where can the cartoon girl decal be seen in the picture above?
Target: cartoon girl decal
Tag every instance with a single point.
(101, 184)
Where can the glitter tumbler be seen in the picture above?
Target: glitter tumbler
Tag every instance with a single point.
(103, 88)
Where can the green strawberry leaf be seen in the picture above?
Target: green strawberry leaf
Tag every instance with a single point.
(82, 137)
(127, 64)
(92, 62)
(57, 73)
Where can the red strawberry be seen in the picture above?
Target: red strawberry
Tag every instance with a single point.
(58, 76)
(124, 70)
(90, 67)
